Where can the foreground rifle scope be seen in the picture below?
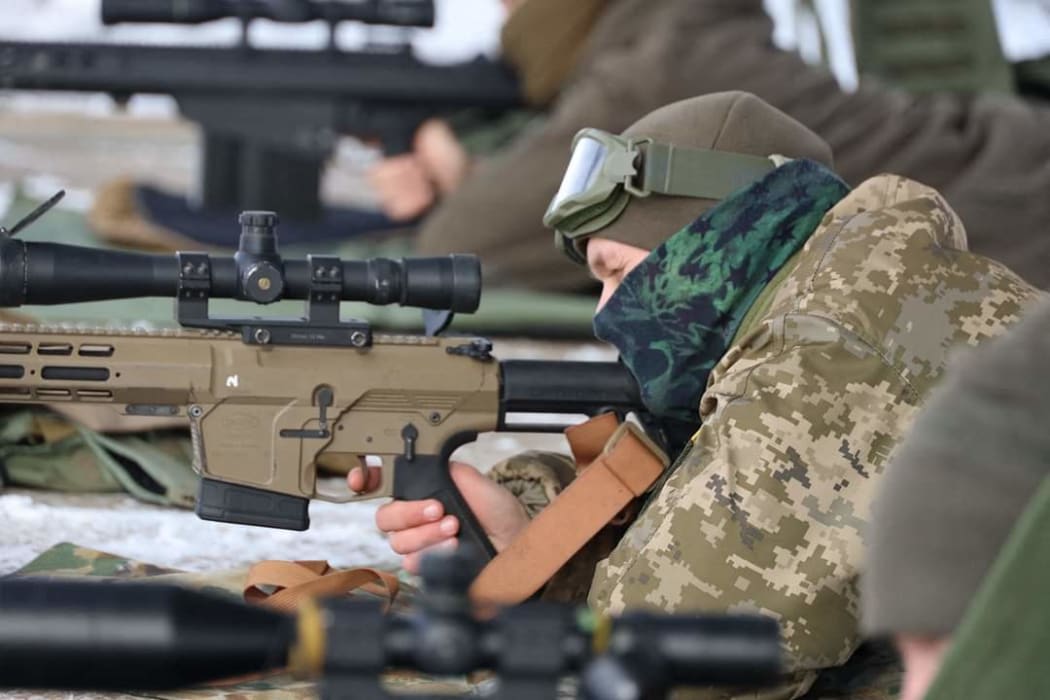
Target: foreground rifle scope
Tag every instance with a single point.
(399, 13)
(84, 635)
(51, 273)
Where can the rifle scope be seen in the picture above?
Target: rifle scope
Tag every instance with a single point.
(126, 636)
(399, 13)
(50, 273)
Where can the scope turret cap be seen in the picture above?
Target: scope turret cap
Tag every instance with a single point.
(259, 219)
(732, 122)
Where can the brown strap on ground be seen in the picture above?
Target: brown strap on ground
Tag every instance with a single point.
(620, 471)
(298, 580)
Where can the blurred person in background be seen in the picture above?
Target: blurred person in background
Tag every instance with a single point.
(959, 556)
(604, 63)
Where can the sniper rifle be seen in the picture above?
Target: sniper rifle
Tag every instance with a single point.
(267, 397)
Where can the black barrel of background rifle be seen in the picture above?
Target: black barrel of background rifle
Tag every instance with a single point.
(400, 13)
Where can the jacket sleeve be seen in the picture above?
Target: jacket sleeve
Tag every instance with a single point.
(766, 510)
(534, 477)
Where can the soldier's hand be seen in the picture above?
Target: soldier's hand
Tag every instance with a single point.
(415, 527)
(442, 156)
(403, 186)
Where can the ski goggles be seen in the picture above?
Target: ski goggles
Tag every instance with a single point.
(606, 170)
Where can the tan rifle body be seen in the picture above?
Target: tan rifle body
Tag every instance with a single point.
(255, 412)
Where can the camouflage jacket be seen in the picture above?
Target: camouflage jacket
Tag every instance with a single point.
(767, 507)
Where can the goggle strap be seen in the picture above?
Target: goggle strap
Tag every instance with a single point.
(688, 172)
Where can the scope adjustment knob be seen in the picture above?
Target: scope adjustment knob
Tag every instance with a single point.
(262, 283)
(258, 219)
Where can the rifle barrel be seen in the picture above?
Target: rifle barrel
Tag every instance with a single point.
(237, 74)
(399, 13)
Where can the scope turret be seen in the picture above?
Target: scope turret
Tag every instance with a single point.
(400, 13)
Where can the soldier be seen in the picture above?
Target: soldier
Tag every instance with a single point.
(987, 154)
(784, 330)
(950, 565)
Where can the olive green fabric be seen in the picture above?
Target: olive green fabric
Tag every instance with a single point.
(28, 459)
(988, 155)
(39, 449)
(482, 133)
(731, 122)
(999, 650)
(543, 39)
(931, 45)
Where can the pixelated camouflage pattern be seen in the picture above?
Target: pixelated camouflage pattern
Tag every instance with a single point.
(766, 509)
(66, 559)
(676, 313)
(534, 477)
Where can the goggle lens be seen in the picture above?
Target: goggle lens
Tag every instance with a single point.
(583, 171)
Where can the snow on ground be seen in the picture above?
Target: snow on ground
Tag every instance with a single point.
(343, 534)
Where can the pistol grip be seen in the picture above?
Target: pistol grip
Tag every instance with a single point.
(428, 476)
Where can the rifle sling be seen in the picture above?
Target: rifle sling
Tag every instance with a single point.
(296, 581)
(616, 464)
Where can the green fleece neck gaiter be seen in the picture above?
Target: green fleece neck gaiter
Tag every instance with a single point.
(674, 315)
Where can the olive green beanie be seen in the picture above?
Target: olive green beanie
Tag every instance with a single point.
(958, 483)
(731, 122)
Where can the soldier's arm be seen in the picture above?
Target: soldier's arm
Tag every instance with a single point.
(766, 511)
(534, 477)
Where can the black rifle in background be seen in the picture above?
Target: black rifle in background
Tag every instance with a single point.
(270, 118)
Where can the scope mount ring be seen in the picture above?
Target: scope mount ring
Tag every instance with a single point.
(320, 327)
